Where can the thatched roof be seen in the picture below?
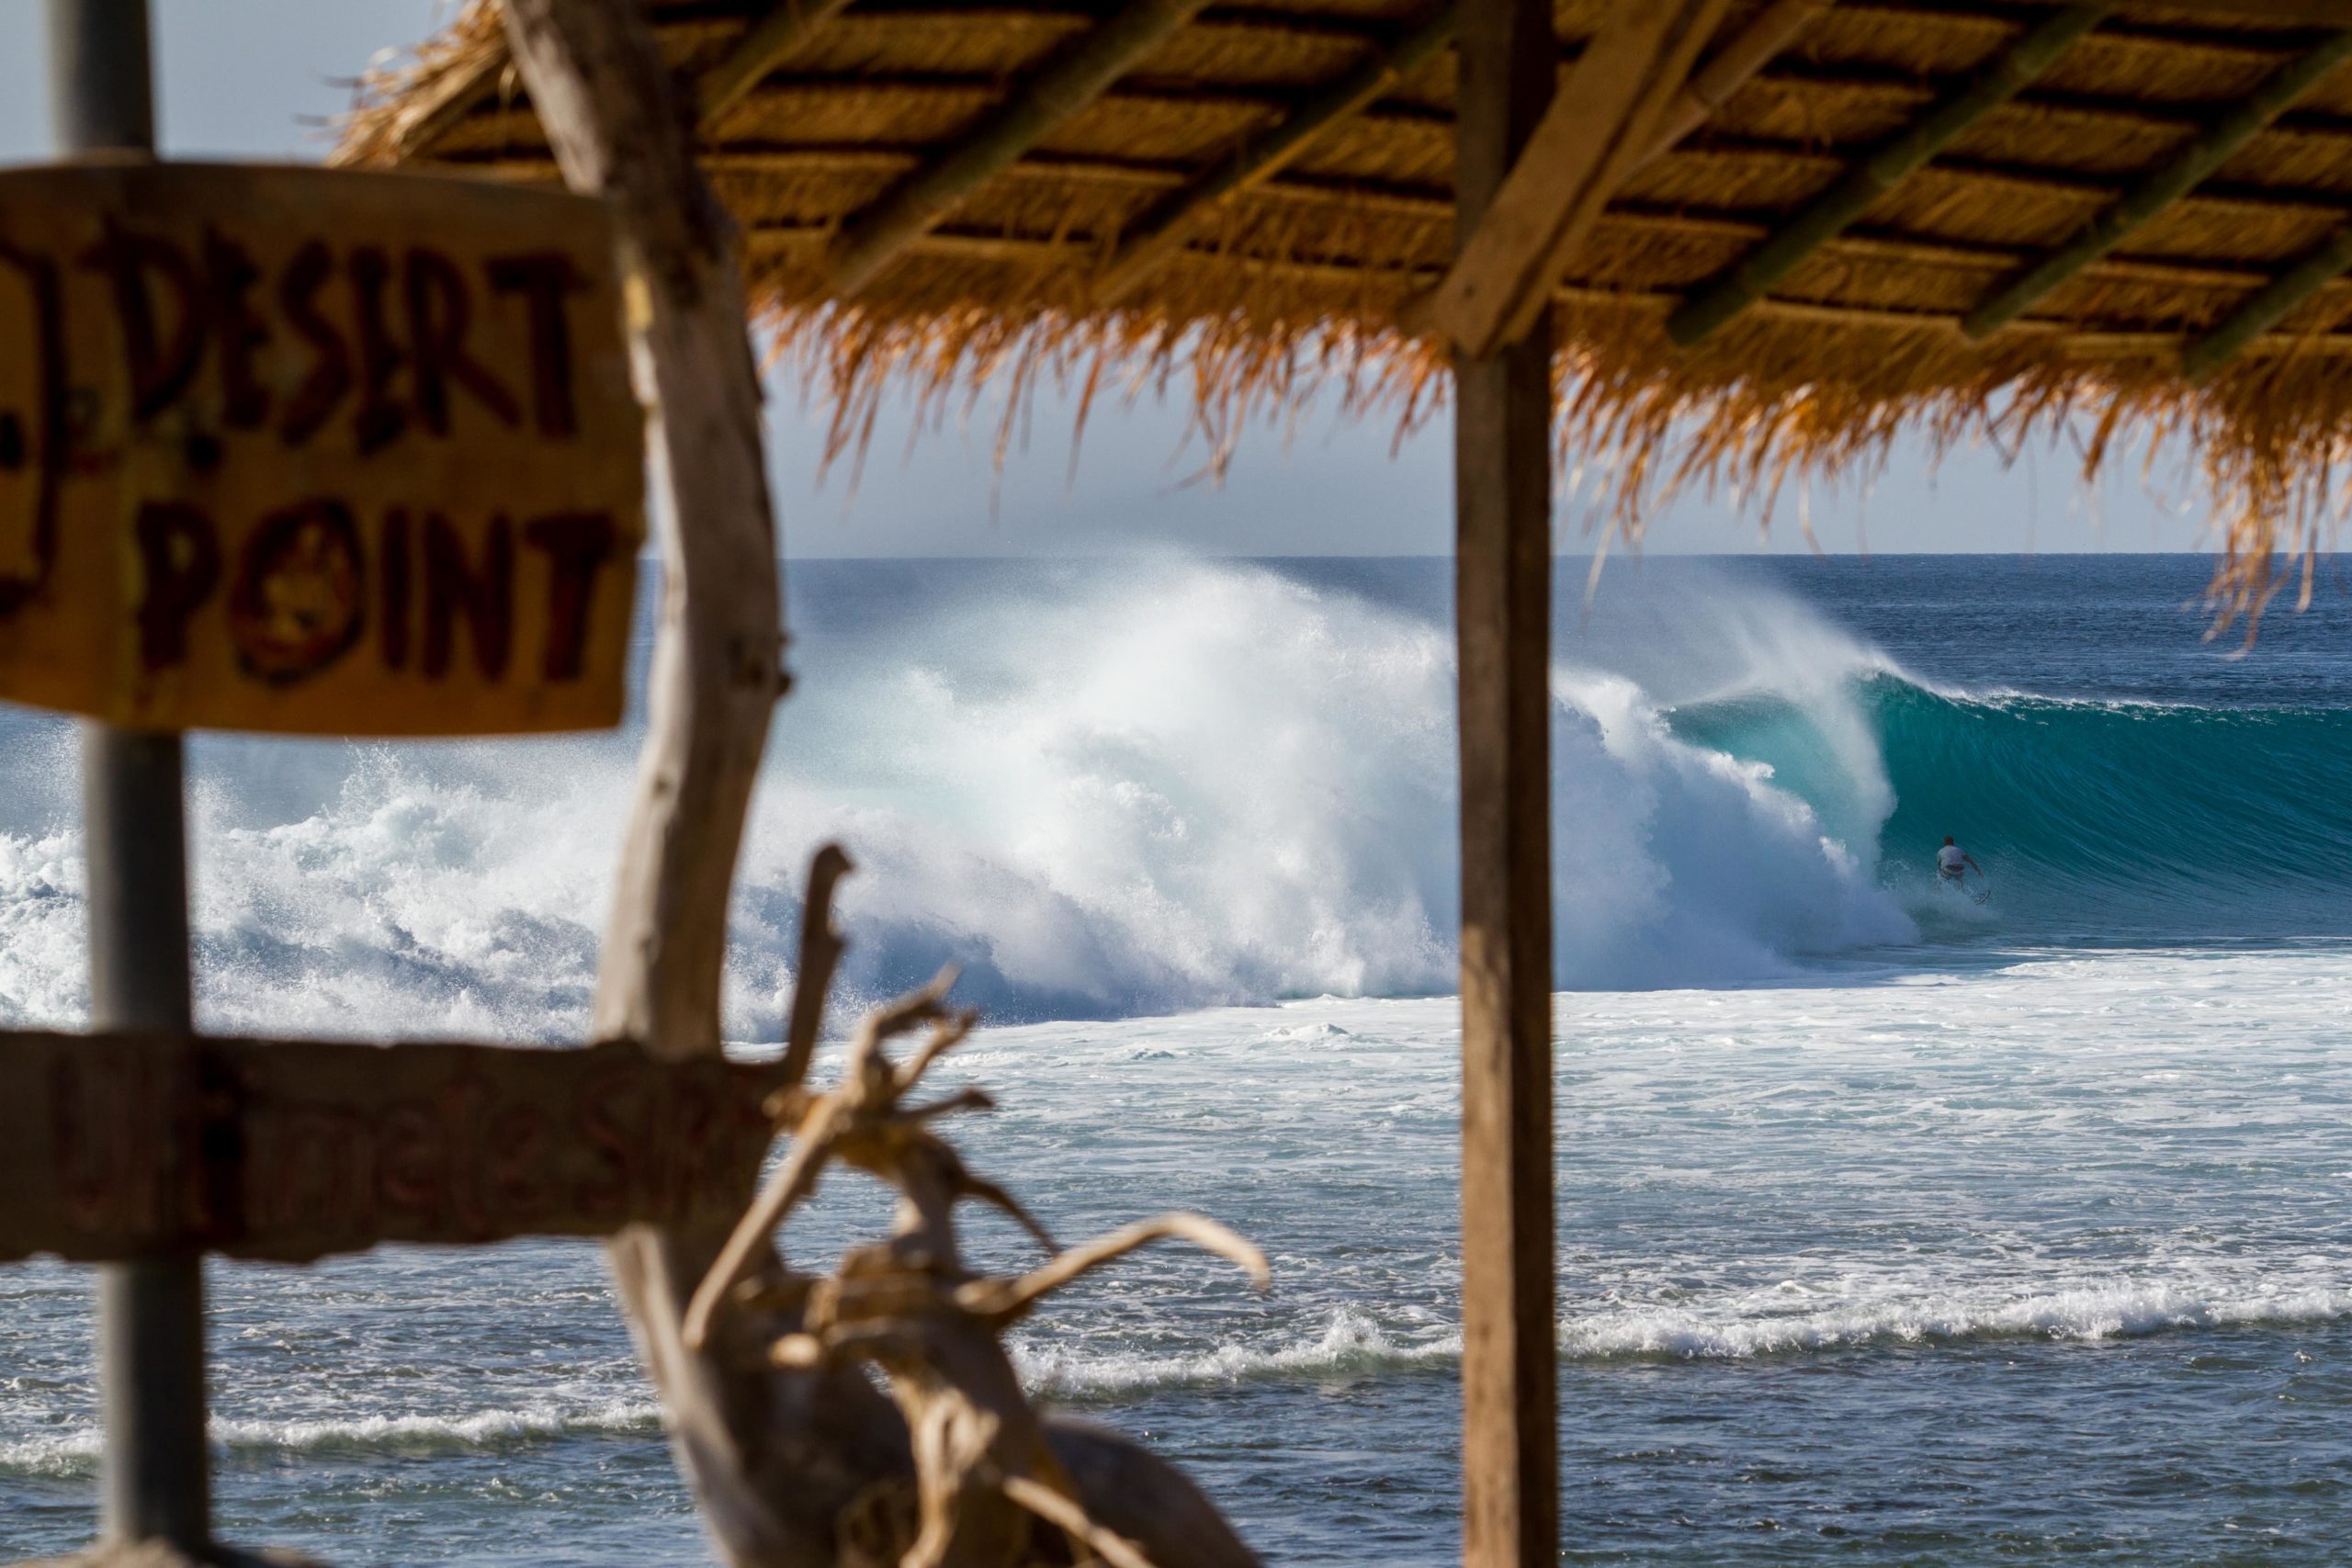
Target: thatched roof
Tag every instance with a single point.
(1025, 262)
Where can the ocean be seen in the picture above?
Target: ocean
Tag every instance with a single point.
(1894, 1227)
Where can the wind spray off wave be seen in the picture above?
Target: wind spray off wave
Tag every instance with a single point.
(1102, 792)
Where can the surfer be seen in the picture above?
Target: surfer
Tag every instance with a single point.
(1953, 865)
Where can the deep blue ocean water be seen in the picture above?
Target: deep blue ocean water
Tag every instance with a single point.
(1894, 1227)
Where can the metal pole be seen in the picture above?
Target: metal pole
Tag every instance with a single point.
(151, 1312)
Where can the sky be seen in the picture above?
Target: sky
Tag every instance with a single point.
(258, 79)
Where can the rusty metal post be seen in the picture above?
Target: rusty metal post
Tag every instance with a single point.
(151, 1311)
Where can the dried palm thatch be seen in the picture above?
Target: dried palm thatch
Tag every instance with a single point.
(2142, 236)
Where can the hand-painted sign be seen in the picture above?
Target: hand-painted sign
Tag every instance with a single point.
(117, 1146)
(285, 449)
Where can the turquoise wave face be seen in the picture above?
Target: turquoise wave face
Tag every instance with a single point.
(2128, 822)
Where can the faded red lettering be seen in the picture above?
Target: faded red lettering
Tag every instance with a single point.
(161, 363)
(299, 601)
(518, 1138)
(313, 1168)
(484, 596)
(578, 543)
(379, 418)
(411, 1164)
(619, 1146)
(230, 275)
(48, 309)
(439, 312)
(179, 566)
(315, 399)
(393, 577)
(543, 279)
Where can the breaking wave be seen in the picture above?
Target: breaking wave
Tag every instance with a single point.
(1109, 794)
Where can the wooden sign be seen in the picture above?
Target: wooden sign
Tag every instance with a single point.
(118, 1146)
(288, 449)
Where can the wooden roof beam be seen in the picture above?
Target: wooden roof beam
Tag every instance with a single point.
(1835, 210)
(787, 26)
(1161, 232)
(1712, 85)
(1699, 97)
(2269, 307)
(1602, 125)
(2161, 189)
(1071, 80)
(2279, 13)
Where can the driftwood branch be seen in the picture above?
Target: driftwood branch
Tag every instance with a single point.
(1056, 1509)
(988, 1470)
(820, 951)
(773, 1460)
(1006, 1301)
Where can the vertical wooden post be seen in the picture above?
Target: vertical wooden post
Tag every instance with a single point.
(774, 1459)
(1502, 609)
(151, 1311)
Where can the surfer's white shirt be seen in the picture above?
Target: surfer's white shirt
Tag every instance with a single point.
(1949, 860)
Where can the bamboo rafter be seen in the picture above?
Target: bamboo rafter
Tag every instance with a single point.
(1777, 26)
(1162, 232)
(1602, 125)
(1313, 259)
(1844, 202)
(771, 40)
(2088, 346)
(1068, 83)
(1708, 88)
(2240, 332)
(2162, 189)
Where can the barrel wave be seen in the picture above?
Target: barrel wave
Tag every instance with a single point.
(2099, 821)
(1119, 790)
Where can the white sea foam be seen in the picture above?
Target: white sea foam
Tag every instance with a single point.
(1350, 1342)
(2088, 1313)
(1353, 1342)
(76, 1450)
(1184, 786)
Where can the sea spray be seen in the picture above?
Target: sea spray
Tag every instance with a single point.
(1189, 785)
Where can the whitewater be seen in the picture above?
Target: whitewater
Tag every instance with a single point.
(1889, 1223)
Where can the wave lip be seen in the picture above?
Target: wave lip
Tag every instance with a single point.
(2089, 1314)
(1353, 1342)
(76, 1451)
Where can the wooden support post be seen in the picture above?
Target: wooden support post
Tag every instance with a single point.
(774, 1459)
(784, 29)
(2269, 307)
(1502, 624)
(2160, 189)
(1831, 213)
(1162, 232)
(1067, 83)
